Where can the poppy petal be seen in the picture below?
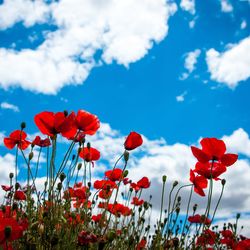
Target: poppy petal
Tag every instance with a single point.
(229, 159)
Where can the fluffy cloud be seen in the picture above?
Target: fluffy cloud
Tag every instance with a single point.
(181, 97)
(226, 6)
(190, 62)
(232, 66)
(84, 27)
(188, 5)
(6, 105)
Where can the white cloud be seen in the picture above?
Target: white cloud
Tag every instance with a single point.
(226, 6)
(188, 5)
(190, 63)
(84, 27)
(243, 24)
(232, 66)
(181, 97)
(27, 11)
(6, 105)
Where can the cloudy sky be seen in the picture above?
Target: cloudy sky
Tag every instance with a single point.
(174, 71)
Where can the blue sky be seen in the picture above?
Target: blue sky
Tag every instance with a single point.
(179, 85)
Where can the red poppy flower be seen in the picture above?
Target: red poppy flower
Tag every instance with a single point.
(114, 175)
(210, 169)
(126, 181)
(41, 142)
(133, 141)
(89, 154)
(17, 137)
(199, 219)
(142, 244)
(119, 209)
(243, 245)
(137, 202)
(15, 230)
(213, 149)
(50, 123)
(207, 238)
(6, 188)
(87, 122)
(105, 194)
(143, 183)
(19, 195)
(104, 184)
(96, 218)
(84, 238)
(200, 182)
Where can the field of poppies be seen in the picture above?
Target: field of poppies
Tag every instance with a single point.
(74, 212)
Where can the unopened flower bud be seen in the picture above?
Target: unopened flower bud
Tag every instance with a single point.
(79, 166)
(223, 182)
(23, 125)
(65, 113)
(17, 186)
(164, 178)
(237, 216)
(31, 154)
(89, 184)
(11, 175)
(125, 173)
(62, 177)
(126, 156)
(195, 207)
(175, 183)
(88, 145)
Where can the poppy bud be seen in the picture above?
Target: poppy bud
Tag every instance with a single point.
(175, 183)
(11, 175)
(79, 166)
(126, 156)
(17, 186)
(179, 198)
(31, 154)
(62, 177)
(23, 125)
(237, 216)
(223, 182)
(65, 113)
(88, 145)
(125, 173)
(89, 184)
(164, 178)
(195, 207)
(7, 232)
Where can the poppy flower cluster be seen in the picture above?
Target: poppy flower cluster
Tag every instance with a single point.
(212, 162)
(75, 212)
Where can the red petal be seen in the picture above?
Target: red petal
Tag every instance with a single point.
(87, 122)
(23, 144)
(45, 122)
(213, 147)
(9, 143)
(201, 181)
(200, 155)
(199, 191)
(229, 159)
(18, 135)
